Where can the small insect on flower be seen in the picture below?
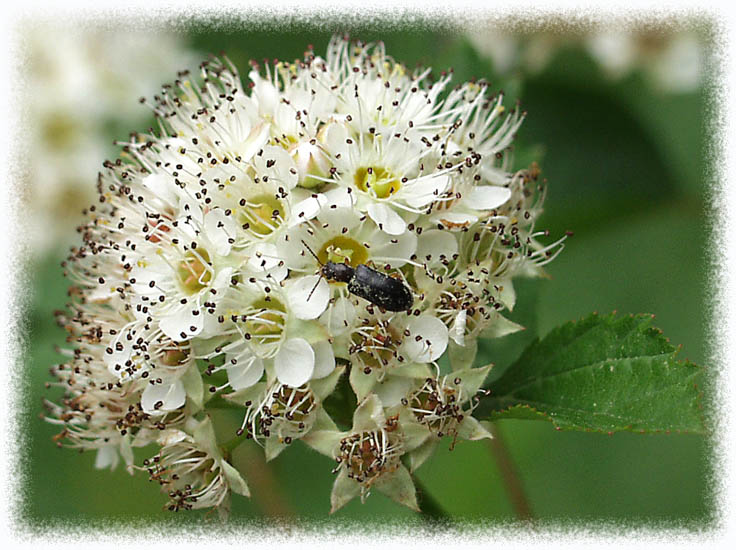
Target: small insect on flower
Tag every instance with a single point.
(369, 284)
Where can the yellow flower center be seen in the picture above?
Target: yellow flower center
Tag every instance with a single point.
(262, 215)
(195, 271)
(266, 323)
(376, 180)
(342, 249)
(174, 356)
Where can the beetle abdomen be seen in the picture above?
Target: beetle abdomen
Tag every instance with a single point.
(380, 289)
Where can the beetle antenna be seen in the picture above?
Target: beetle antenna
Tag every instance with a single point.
(314, 288)
(312, 253)
(320, 263)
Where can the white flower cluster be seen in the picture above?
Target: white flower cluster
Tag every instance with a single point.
(337, 227)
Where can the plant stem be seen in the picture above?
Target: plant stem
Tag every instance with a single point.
(431, 510)
(511, 480)
(229, 446)
(265, 488)
(217, 402)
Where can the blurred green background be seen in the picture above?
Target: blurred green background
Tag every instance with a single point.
(624, 159)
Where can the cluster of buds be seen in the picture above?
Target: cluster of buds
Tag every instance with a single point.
(338, 227)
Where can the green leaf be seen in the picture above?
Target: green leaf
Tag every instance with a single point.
(601, 373)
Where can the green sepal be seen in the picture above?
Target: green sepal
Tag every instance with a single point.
(343, 491)
(500, 326)
(273, 447)
(322, 387)
(254, 394)
(194, 387)
(235, 481)
(362, 383)
(462, 357)
(398, 486)
(418, 456)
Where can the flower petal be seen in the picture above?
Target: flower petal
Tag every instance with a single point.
(457, 331)
(486, 197)
(454, 220)
(266, 260)
(386, 219)
(308, 297)
(182, 323)
(307, 209)
(294, 363)
(341, 197)
(393, 250)
(253, 142)
(170, 395)
(423, 191)
(107, 457)
(162, 187)
(219, 229)
(246, 371)
(324, 359)
(278, 166)
(340, 219)
(340, 316)
(435, 245)
(493, 174)
(264, 93)
(336, 138)
(428, 338)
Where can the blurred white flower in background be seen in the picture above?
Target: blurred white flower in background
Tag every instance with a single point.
(81, 83)
(512, 52)
(671, 59)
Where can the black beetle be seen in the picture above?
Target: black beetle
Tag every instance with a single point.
(369, 284)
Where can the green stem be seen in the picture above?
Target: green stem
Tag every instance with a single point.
(217, 402)
(230, 445)
(431, 510)
(266, 487)
(511, 480)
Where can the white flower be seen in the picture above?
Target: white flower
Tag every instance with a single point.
(377, 93)
(258, 329)
(192, 471)
(442, 406)
(338, 235)
(367, 456)
(386, 176)
(280, 414)
(671, 58)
